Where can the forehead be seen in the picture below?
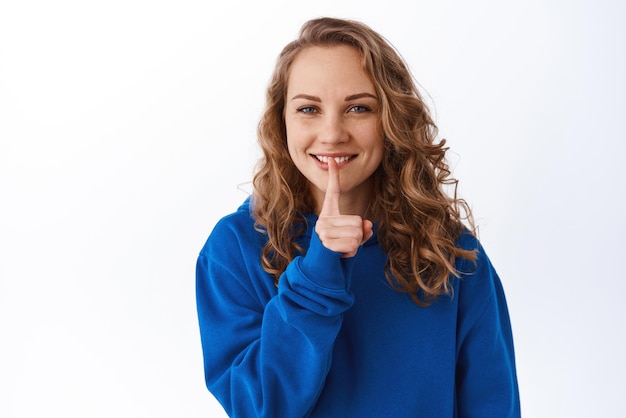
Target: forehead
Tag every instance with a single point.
(329, 67)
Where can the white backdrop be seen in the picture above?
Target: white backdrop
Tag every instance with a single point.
(126, 127)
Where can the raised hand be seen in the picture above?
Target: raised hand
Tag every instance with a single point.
(340, 233)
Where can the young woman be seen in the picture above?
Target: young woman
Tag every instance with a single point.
(348, 284)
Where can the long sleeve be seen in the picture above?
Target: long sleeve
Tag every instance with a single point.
(486, 376)
(267, 351)
(334, 339)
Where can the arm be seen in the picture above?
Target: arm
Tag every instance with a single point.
(486, 375)
(264, 354)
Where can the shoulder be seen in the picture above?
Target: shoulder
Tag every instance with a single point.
(476, 277)
(242, 217)
(478, 284)
(469, 242)
(235, 230)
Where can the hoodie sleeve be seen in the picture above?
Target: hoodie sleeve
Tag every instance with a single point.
(267, 352)
(486, 374)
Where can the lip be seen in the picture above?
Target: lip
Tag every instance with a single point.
(324, 166)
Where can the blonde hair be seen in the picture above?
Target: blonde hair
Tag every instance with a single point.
(417, 222)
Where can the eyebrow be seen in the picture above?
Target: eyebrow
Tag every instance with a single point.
(347, 99)
(360, 96)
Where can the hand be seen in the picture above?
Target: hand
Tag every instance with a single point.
(340, 233)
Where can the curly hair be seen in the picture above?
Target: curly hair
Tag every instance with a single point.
(418, 224)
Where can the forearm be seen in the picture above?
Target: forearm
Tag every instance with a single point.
(272, 360)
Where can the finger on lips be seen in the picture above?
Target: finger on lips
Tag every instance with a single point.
(330, 206)
(341, 233)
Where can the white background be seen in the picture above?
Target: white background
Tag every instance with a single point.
(127, 126)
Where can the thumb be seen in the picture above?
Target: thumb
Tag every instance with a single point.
(368, 231)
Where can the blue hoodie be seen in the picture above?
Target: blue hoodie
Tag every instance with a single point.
(335, 340)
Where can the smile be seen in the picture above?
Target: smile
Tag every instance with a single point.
(339, 160)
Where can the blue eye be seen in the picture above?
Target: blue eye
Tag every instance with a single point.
(359, 109)
(307, 109)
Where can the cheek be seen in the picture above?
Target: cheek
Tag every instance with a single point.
(291, 138)
(377, 150)
(370, 133)
(374, 142)
(296, 151)
(292, 146)
(296, 139)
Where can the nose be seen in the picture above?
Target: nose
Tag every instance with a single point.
(333, 130)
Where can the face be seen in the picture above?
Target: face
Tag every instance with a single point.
(332, 111)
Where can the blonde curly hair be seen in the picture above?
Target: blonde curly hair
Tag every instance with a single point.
(418, 224)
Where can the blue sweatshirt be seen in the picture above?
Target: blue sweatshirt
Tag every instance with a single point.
(335, 340)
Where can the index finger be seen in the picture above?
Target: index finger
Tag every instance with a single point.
(330, 206)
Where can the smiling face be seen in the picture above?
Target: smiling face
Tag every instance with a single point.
(332, 111)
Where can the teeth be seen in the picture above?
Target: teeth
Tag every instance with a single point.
(339, 160)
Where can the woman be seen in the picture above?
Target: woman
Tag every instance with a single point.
(348, 285)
